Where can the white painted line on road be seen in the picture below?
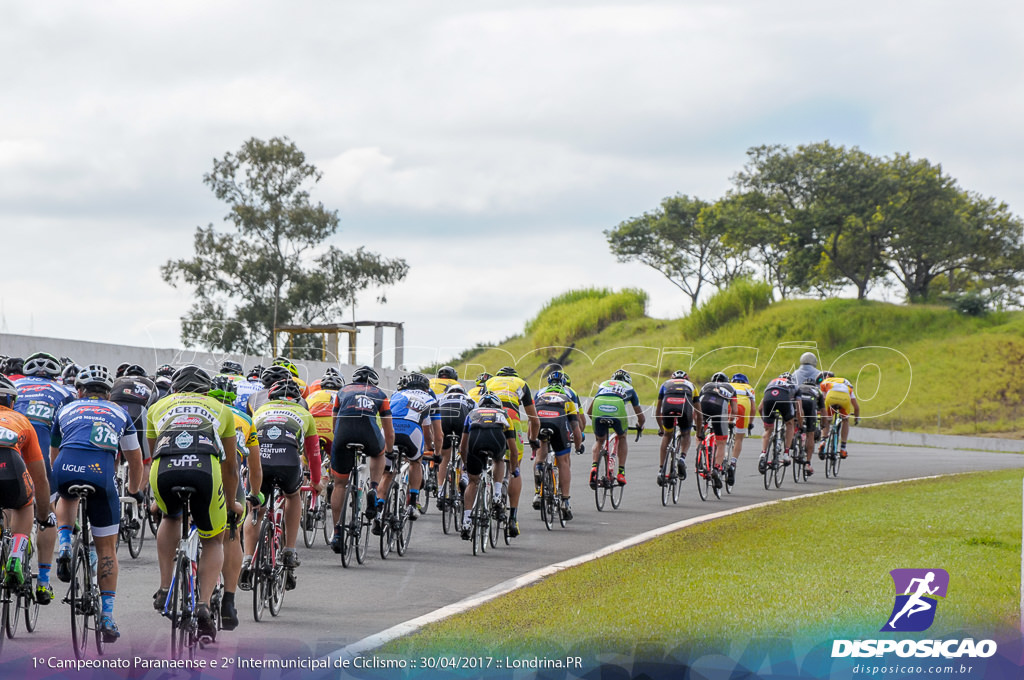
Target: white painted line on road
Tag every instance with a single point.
(412, 625)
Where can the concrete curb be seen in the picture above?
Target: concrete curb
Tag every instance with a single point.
(867, 435)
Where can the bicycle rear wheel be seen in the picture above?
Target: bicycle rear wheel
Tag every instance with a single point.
(80, 599)
(547, 499)
(179, 611)
(778, 468)
(701, 472)
(387, 523)
(404, 534)
(308, 519)
(11, 613)
(261, 570)
(275, 586)
(31, 606)
(348, 541)
(601, 491)
(136, 529)
(152, 518)
(447, 501)
(667, 481)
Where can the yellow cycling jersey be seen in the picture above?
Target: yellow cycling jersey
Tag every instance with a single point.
(439, 385)
(476, 393)
(321, 405)
(512, 390)
(744, 389)
(245, 433)
(838, 384)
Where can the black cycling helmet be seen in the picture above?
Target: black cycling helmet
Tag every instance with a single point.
(680, 375)
(331, 370)
(69, 373)
(508, 371)
(95, 376)
(417, 381)
(365, 374)
(13, 366)
(556, 378)
(223, 389)
(489, 400)
(286, 389)
(622, 375)
(191, 378)
(274, 374)
(165, 371)
(824, 375)
(483, 378)
(255, 372)
(455, 389)
(287, 363)
(231, 368)
(331, 382)
(448, 373)
(121, 368)
(134, 370)
(8, 392)
(42, 364)
(719, 377)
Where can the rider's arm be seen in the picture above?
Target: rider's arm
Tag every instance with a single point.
(255, 465)
(311, 443)
(229, 470)
(531, 413)
(640, 418)
(134, 458)
(658, 418)
(37, 471)
(577, 433)
(389, 432)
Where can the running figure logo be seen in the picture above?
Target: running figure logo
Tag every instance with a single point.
(916, 593)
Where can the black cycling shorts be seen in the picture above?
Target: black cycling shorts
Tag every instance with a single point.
(287, 477)
(716, 414)
(484, 442)
(783, 406)
(559, 441)
(358, 431)
(673, 415)
(810, 407)
(452, 425)
(16, 488)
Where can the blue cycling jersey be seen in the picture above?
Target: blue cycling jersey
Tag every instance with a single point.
(39, 399)
(245, 389)
(93, 424)
(411, 409)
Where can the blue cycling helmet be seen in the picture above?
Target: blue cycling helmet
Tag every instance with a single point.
(740, 378)
(556, 378)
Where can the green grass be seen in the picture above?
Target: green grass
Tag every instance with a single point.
(815, 568)
(916, 367)
(577, 313)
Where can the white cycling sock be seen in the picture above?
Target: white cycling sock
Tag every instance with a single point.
(497, 489)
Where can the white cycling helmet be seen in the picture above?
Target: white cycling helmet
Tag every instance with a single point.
(809, 359)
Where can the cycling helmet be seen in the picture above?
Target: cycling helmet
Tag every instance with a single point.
(223, 389)
(622, 375)
(95, 375)
(69, 373)
(273, 374)
(568, 382)
(165, 371)
(680, 375)
(365, 374)
(787, 376)
(282, 361)
(121, 367)
(740, 378)
(42, 364)
(255, 372)
(13, 366)
(719, 377)
(331, 382)
(418, 381)
(556, 378)
(403, 383)
(809, 359)
(556, 388)
(823, 376)
(448, 373)
(135, 370)
(191, 378)
(455, 389)
(65, 362)
(507, 371)
(286, 389)
(8, 392)
(231, 368)
(489, 400)
(483, 378)
(331, 370)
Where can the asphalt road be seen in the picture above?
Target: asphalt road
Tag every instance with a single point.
(333, 606)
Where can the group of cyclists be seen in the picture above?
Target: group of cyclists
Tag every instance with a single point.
(234, 436)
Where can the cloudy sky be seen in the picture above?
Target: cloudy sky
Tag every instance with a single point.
(488, 143)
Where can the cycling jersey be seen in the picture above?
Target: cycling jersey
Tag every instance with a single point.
(487, 431)
(260, 398)
(410, 411)
(285, 429)
(714, 399)
(453, 407)
(609, 407)
(557, 412)
(18, 445)
(476, 393)
(745, 401)
(568, 392)
(39, 399)
(135, 394)
(439, 385)
(245, 389)
(245, 433)
(513, 392)
(839, 395)
(811, 401)
(186, 423)
(779, 396)
(676, 397)
(844, 385)
(321, 407)
(356, 407)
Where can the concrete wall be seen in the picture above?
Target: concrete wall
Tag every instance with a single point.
(150, 357)
(869, 435)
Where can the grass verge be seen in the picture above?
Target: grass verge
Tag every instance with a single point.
(810, 568)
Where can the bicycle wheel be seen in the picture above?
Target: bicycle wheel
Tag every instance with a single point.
(601, 490)
(447, 501)
(701, 473)
(348, 542)
(360, 527)
(778, 468)
(836, 461)
(152, 518)
(308, 519)
(677, 484)
(404, 534)
(80, 599)
(31, 606)
(136, 530)
(667, 478)
(387, 523)
(179, 609)
(11, 612)
(615, 490)
(323, 512)
(547, 499)
(261, 571)
(504, 504)
(275, 590)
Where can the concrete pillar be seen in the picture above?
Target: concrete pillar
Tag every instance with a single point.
(332, 347)
(378, 347)
(351, 348)
(399, 345)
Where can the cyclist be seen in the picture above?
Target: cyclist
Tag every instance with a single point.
(478, 391)
(357, 406)
(779, 395)
(557, 412)
(514, 392)
(610, 403)
(247, 447)
(285, 430)
(231, 369)
(67, 375)
(162, 380)
(321, 407)
(23, 483)
(446, 377)
(84, 443)
(453, 407)
(12, 368)
(135, 393)
(567, 384)
(812, 402)
(40, 396)
(745, 400)
(293, 370)
(716, 404)
(192, 437)
(674, 407)
(269, 377)
(808, 369)
(486, 432)
(317, 384)
(248, 387)
(839, 396)
(417, 423)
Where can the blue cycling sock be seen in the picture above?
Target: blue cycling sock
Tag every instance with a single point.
(44, 574)
(107, 596)
(64, 536)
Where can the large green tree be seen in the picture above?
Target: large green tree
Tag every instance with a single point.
(274, 266)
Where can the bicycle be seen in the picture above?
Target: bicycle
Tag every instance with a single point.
(395, 526)
(84, 592)
(775, 469)
(480, 517)
(314, 513)
(429, 486)
(355, 537)
(832, 456)
(132, 529)
(607, 471)
(17, 600)
(449, 497)
(550, 494)
(268, 572)
(499, 512)
(704, 464)
(798, 453)
(670, 480)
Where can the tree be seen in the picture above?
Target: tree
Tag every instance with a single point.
(681, 242)
(275, 266)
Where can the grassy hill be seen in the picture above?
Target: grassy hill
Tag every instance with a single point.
(915, 367)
